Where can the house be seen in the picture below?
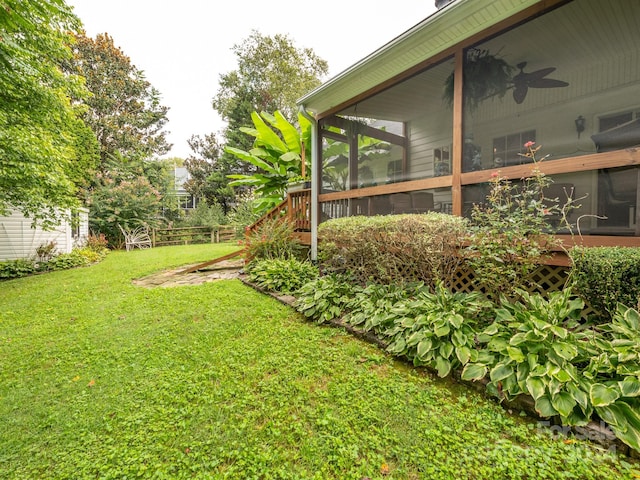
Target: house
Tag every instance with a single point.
(20, 239)
(562, 73)
(186, 201)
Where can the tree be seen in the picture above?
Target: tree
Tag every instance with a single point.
(41, 138)
(124, 110)
(272, 74)
(208, 172)
(130, 203)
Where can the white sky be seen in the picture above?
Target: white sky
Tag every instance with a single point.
(183, 47)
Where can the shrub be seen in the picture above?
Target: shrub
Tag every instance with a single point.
(243, 212)
(204, 215)
(65, 261)
(46, 251)
(606, 276)
(97, 243)
(510, 233)
(273, 239)
(130, 203)
(393, 249)
(278, 275)
(17, 268)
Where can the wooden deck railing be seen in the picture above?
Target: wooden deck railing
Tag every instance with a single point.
(296, 208)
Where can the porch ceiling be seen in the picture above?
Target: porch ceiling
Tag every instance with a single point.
(555, 45)
(445, 28)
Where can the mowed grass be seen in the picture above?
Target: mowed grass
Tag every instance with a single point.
(103, 379)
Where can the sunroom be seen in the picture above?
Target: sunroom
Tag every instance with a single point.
(423, 123)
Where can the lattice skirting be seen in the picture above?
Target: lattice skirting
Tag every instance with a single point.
(546, 279)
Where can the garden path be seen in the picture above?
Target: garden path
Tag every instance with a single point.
(172, 278)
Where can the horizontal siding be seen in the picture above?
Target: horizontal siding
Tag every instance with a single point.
(19, 240)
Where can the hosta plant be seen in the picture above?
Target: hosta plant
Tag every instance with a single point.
(615, 373)
(325, 298)
(281, 275)
(373, 308)
(438, 329)
(537, 347)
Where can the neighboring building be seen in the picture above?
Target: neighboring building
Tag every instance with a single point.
(186, 201)
(18, 239)
(574, 88)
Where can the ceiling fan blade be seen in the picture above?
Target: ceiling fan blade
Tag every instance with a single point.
(519, 93)
(527, 77)
(543, 72)
(547, 83)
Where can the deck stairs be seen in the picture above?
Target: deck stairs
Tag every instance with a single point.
(296, 208)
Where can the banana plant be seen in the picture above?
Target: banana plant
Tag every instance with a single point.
(277, 153)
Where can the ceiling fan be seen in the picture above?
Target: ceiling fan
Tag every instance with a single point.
(523, 81)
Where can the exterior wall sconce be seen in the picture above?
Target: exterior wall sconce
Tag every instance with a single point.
(580, 124)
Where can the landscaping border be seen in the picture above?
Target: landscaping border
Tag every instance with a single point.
(595, 432)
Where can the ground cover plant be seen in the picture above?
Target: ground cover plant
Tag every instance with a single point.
(103, 379)
(48, 259)
(535, 347)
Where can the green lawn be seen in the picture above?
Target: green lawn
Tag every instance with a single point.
(103, 379)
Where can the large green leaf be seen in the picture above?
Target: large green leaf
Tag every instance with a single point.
(446, 349)
(414, 339)
(536, 387)
(624, 421)
(515, 354)
(601, 395)
(266, 135)
(458, 338)
(464, 354)
(579, 396)
(441, 329)
(500, 372)
(629, 387)
(544, 407)
(258, 162)
(473, 372)
(289, 133)
(424, 347)
(443, 366)
(563, 402)
(565, 350)
(632, 319)
(455, 320)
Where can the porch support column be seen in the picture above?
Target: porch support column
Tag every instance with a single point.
(458, 114)
(316, 163)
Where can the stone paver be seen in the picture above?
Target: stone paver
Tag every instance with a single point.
(173, 278)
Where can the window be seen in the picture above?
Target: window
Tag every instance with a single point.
(75, 225)
(507, 150)
(442, 161)
(394, 171)
(608, 122)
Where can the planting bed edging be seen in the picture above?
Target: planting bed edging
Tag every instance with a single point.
(595, 432)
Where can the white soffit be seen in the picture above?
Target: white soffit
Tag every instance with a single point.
(445, 28)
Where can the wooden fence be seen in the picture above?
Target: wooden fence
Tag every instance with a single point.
(192, 235)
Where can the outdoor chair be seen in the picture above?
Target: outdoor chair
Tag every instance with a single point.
(400, 203)
(422, 202)
(138, 237)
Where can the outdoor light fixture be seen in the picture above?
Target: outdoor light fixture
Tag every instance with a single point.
(580, 123)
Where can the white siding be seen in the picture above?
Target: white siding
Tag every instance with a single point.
(19, 240)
